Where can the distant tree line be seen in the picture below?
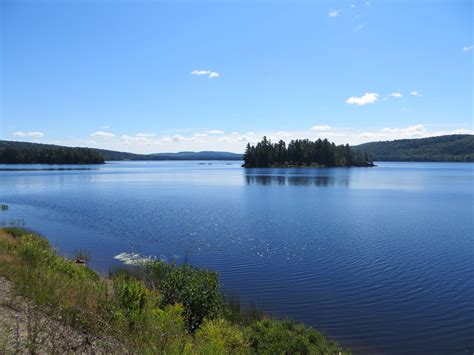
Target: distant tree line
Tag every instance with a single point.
(36, 154)
(451, 148)
(302, 152)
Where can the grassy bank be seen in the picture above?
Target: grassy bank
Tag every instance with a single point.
(152, 308)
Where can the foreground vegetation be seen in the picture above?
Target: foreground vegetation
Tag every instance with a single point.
(452, 148)
(302, 152)
(153, 308)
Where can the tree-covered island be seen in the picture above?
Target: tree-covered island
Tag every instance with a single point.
(303, 153)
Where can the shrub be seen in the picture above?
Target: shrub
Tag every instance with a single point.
(220, 337)
(287, 337)
(132, 296)
(235, 313)
(149, 328)
(196, 289)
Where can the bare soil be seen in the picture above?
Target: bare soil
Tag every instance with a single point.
(24, 328)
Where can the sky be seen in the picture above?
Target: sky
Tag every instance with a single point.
(167, 76)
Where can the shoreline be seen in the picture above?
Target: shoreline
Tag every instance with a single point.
(307, 166)
(183, 303)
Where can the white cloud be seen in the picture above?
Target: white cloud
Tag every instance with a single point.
(178, 138)
(215, 131)
(281, 134)
(166, 139)
(396, 94)
(34, 134)
(416, 129)
(102, 134)
(415, 93)
(333, 13)
(145, 135)
(367, 98)
(321, 128)
(211, 74)
(196, 141)
(461, 131)
(467, 48)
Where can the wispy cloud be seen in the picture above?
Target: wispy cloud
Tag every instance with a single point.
(102, 134)
(211, 74)
(415, 93)
(413, 131)
(396, 94)
(467, 48)
(359, 27)
(321, 128)
(334, 13)
(367, 98)
(34, 134)
(215, 131)
(178, 138)
(235, 142)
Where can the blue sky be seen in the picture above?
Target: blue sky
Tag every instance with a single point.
(154, 76)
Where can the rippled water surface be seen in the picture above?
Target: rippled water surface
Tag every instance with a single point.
(381, 259)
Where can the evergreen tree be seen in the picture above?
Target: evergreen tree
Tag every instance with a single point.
(302, 153)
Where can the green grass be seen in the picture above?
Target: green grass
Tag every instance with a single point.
(154, 308)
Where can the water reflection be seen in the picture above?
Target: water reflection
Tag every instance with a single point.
(46, 169)
(294, 179)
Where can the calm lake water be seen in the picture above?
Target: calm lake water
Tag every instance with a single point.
(381, 259)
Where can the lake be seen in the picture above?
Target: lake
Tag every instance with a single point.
(381, 259)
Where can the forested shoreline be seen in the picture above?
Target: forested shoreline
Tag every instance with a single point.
(30, 153)
(298, 153)
(303, 153)
(12, 152)
(450, 148)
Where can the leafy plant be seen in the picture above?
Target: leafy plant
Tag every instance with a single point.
(287, 337)
(196, 289)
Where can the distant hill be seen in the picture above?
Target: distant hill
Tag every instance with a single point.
(450, 148)
(111, 155)
(114, 155)
(204, 155)
(12, 152)
(34, 153)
